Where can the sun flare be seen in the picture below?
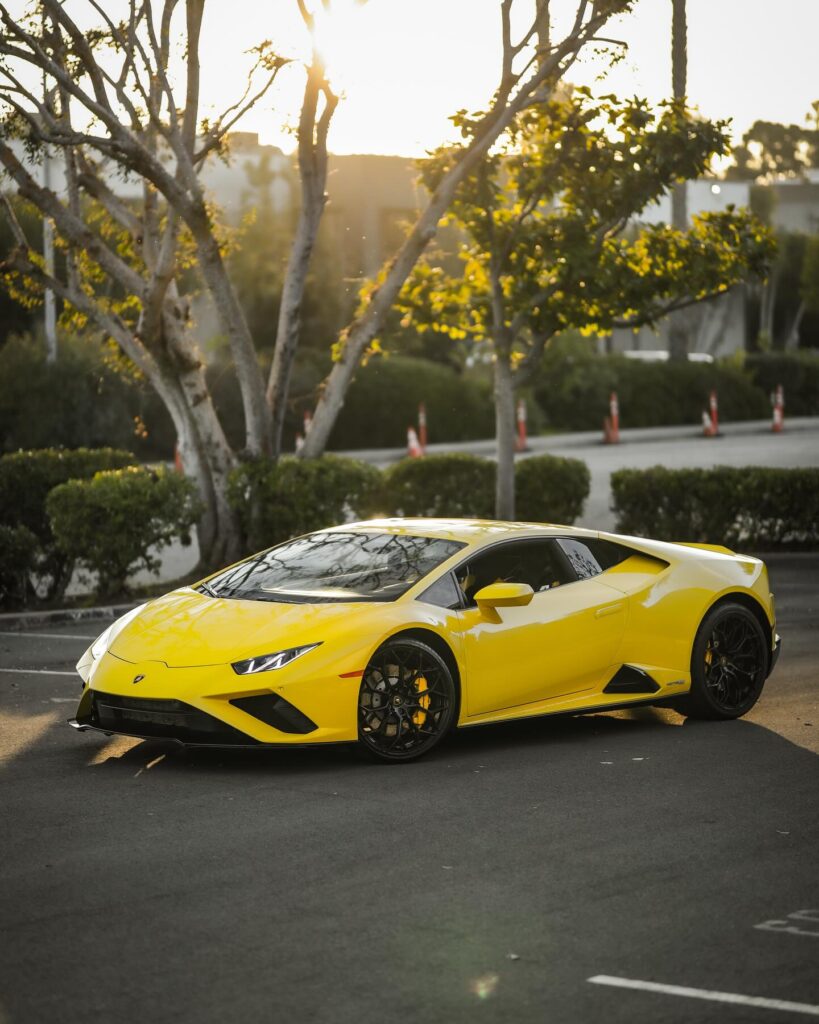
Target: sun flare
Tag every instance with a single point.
(339, 34)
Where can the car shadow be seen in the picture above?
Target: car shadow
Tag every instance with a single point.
(648, 730)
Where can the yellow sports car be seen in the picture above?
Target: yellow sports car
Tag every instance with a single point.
(390, 633)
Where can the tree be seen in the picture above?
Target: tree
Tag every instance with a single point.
(111, 108)
(552, 245)
(678, 324)
(527, 80)
(771, 150)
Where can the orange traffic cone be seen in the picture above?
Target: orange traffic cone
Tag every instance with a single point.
(413, 447)
(611, 424)
(710, 420)
(521, 443)
(778, 424)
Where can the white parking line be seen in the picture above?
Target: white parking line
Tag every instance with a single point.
(703, 993)
(37, 672)
(49, 636)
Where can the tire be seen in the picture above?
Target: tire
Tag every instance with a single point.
(406, 703)
(729, 664)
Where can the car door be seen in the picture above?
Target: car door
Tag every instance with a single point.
(562, 642)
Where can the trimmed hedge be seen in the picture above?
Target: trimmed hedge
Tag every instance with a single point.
(548, 488)
(27, 477)
(383, 401)
(450, 486)
(797, 372)
(115, 523)
(754, 507)
(551, 489)
(574, 384)
(276, 501)
(18, 554)
(84, 399)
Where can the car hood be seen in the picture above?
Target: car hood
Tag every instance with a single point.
(185, 629)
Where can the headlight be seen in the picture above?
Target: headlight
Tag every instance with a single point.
(100, 645)
(269, 662)
(103, 641)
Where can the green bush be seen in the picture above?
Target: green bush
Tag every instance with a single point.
(115, 523)
(550, 489)
(84, 399)
(574, 384)
(18, 552)
(755, 508)
(797, 372)
(27, 477)
(450, 486)
(279, 500)
(383, 401)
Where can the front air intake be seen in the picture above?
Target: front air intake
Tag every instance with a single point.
(276, 711)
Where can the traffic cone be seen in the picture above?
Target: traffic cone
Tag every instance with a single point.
(413, 447)
(422, 428)
(611, 424)
(521, 444)
(778, 424)
(177, 460)
(714, 413)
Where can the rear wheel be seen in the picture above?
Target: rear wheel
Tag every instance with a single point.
(729, 664)
(407, 701)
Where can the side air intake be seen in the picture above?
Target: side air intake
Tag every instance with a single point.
(628, 679)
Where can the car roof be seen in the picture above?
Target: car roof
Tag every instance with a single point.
(469, 531)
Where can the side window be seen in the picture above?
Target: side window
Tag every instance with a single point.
(533, 562)
(444, 593)
(591, 557)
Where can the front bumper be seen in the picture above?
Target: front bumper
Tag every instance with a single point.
(212, 706)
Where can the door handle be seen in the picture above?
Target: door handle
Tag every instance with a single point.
(609, 609)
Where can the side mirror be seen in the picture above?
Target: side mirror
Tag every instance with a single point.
(504, 595)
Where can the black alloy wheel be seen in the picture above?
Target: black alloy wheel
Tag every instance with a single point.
(407, 701)
(729, 664)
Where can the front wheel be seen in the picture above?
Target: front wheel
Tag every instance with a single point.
(729, 664)
(407, 701)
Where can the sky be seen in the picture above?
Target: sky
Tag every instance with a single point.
(405, 65)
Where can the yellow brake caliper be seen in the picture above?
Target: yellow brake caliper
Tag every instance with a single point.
(421, 685)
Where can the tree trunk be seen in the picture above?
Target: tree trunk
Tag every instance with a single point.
(792, 337)
(505, 438)
(679, 327)
(258, 435)
(313, 174)
(289, 327)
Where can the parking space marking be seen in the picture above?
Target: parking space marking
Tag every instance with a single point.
(37, 672)
(800, 922)
(49, 636)
(760, 1002)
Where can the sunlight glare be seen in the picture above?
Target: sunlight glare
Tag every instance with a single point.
(341, 40)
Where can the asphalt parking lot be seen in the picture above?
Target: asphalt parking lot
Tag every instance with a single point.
(491, 881)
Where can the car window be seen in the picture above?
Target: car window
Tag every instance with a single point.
(335, 565)
(591, 557)
(535, 562)
(444, 593)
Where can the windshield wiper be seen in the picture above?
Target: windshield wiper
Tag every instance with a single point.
(208, 589)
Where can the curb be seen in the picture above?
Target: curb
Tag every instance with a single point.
(25, 620)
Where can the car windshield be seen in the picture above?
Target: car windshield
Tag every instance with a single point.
(335, 566)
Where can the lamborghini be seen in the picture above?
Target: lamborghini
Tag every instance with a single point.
(392, 632)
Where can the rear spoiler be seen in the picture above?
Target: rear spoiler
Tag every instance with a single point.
(720, 550)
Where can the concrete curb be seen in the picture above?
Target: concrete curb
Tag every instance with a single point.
(27, 620)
